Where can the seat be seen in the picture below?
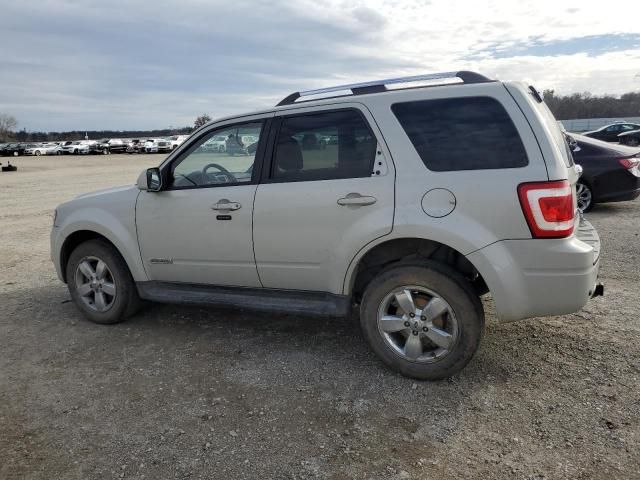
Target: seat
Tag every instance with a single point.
(288, 159)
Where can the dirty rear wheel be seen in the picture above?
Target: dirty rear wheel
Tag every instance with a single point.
(423, 321)
(100, 283)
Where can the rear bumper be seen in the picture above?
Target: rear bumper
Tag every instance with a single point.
(540, 277)
(620, 196)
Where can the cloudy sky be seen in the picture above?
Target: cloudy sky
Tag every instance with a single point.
(129, 64)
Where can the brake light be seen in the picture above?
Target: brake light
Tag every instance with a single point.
(548, 208)
(629, 163)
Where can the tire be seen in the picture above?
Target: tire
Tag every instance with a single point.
(125, 300)
(105, 151)
(585, 197)
(37, 153)
(462, 319)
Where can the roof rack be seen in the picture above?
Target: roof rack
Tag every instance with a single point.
(377, 86)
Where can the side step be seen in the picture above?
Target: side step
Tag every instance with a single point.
(260, 299)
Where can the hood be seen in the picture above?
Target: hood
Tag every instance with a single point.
(107, 191)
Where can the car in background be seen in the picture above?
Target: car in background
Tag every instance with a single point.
(135, 145)
(610, 173)
(13, 150)
(630, 138)
(81, 147)
(41, 149)
(177, 140)
(157, 145)
(109, 145)
(609, 133)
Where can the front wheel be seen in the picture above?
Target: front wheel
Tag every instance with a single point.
(423, 321)
(37, 153)
(100, 283)
(585, 197)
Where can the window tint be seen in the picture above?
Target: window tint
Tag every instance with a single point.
(324, 146)
(224, 156)
(471, 133)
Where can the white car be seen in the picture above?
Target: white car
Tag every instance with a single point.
(177, 140)
(81, 147)
(158, 145)
(216, 144)
(41, 149)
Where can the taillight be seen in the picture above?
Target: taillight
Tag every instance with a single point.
(630, 163)
(548, 208)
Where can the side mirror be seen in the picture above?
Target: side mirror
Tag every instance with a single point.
(150, 180)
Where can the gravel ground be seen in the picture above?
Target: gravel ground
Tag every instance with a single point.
(192, 393)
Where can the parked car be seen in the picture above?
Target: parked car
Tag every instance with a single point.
(611, 173)
(78, 147)
(609, 133)
(432, 197)
(40, 149)
(158, 145)
(177, 140)
(216, 144)
(136, 145)
(13, 150)
(630, 138)
(109, 145)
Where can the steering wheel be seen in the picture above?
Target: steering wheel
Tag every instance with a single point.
(229, 178)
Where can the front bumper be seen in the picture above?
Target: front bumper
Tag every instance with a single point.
(541, 277)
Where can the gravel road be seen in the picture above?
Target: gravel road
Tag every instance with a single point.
(193, 393)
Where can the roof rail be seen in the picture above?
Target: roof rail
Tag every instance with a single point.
(376, 86)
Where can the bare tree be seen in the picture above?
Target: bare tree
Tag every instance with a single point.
(7, 126)
(201, 120)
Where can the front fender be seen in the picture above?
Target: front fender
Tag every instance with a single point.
(119, 230)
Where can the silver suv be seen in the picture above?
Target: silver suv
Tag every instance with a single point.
(408, 204)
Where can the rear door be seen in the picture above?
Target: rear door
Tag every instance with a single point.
(327, 191)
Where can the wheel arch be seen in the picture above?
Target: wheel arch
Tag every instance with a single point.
(377, 257)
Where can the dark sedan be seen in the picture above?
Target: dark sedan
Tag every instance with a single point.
(609, 133)
(13, 150)
(611, 173)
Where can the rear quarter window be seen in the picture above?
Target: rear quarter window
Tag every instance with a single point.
(467, 133)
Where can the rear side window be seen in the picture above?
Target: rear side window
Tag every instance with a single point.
(323, 146)
(470, 133)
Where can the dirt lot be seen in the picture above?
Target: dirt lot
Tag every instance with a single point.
(191, 393)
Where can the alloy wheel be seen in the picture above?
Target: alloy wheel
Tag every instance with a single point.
(95, 284)
(417, 324)
(584, 195)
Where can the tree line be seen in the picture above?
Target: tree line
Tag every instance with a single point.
(585, 105)
(564, 107)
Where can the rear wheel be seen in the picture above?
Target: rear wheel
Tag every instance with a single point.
(423, 321)
(585, 197)
(100, 283)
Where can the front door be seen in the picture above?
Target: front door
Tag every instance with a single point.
(199, 229)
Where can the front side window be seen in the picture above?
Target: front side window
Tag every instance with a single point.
(224, 156)
(468, 133)
(323, 146)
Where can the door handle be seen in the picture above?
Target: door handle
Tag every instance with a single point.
(356, 199)
(225, 204)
